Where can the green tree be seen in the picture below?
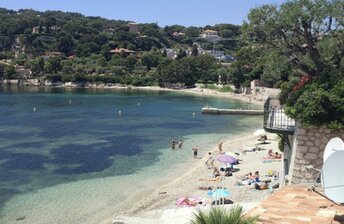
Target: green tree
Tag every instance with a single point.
(52, 65)
(9, 72)
(222, 216)
(308, 33)
(307, 37)
(194, 51)
(130, 63)
(151, 59)
(65, 43)
(37, 66)
(237, 75)
(181, 54)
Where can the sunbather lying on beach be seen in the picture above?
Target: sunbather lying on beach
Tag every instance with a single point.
(271, 155)
(202, 188)
(244, 151)
(262, 186)
(190, 202)
(210, 179)
(263, 138)
(245, 177)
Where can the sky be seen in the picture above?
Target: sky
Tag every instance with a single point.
(163, 12)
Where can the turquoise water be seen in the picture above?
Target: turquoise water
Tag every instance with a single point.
(79, 151)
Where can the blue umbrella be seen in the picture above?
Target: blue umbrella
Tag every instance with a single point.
(219, 193)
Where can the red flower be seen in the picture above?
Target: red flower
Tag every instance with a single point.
(303, 81)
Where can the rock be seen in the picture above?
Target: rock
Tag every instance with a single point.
(20, 218)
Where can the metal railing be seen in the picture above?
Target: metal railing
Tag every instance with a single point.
(275, 120)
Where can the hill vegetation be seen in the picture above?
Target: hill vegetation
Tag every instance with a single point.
(63, 46)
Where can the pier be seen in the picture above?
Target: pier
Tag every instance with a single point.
(212, 110)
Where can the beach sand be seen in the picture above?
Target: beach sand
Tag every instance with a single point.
(257, 98)
(164, 197)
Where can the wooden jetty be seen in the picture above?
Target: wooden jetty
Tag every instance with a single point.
(212, 110)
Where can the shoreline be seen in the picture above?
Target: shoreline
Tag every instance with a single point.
(257, 99)
(163, 198)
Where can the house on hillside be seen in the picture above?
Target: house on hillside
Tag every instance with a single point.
(257, 83)
(121, 50)
(210, 34)
(35, 29)
(54, 28)
(109, 30)
(227, 58)
(178, 34)
(51, 54)
(215, 53)
(134, 27)
(171, 53)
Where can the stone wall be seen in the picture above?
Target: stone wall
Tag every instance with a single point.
(308, 149)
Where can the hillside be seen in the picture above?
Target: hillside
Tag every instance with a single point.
(65, 46)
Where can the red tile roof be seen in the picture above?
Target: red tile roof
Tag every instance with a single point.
(297, 205)
(119, 50)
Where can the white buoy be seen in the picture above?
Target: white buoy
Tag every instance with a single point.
(34, 109)
(193, 114)
(70, 101)
(119, 112)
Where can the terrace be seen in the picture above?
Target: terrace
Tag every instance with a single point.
(275, 120)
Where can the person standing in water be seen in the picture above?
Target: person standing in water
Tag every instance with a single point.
(180, 143)
(195, 151)
(173, 144)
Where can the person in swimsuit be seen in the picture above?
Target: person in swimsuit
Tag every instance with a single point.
(195, 151)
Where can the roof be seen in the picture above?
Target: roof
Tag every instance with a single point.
(209, 31)
(119, 50)
(297, 205)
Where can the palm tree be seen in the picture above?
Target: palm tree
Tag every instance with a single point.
(222, 216)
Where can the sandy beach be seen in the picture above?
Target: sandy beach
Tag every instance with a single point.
(257, 98)
(199, 175)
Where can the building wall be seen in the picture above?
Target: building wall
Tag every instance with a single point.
(308, 149)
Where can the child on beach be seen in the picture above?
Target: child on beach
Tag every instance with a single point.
(210, 161)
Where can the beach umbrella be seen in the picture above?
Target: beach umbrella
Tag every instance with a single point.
(259, 132)
(224, 158)
(231, 154)
(219, 193)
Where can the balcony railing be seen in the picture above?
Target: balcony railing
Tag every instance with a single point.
(275, 120)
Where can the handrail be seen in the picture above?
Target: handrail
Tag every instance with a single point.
(275, 120)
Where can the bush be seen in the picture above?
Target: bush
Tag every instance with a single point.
(226, 89)
(281, 144)
(222, 216)
(55, 78)
(318, 104)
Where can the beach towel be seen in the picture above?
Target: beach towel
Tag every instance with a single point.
(190, 201)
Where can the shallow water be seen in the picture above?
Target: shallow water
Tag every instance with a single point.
(71, 156)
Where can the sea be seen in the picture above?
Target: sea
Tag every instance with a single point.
(74, 155)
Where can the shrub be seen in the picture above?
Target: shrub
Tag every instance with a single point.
(223, 216)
